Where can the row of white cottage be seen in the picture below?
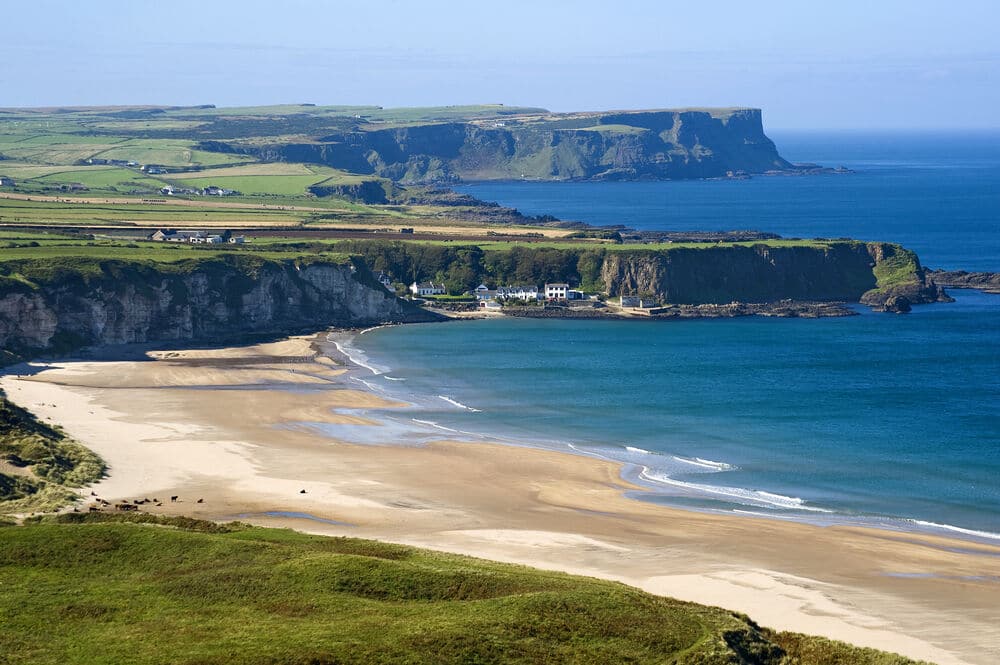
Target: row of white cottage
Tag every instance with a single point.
(483, 292)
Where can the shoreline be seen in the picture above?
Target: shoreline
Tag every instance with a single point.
(649, 483)
(227, 426)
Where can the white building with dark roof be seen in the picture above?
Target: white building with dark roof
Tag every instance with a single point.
(427, 289)
(556, 291)
(517, 293)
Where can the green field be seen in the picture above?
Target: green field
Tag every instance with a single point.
(180, 591)
(167, 153)
(56, 251)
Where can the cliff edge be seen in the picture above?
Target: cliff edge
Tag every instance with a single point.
(82, 302)
(615, 145)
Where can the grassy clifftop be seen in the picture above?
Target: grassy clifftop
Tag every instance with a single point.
(193, 592)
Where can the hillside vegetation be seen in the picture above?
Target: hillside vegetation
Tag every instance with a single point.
(39, 463)
(83, 589)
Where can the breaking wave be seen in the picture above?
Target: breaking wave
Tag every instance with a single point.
(455, 402)
(737, 494)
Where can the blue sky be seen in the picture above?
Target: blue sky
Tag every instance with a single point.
(844, 64)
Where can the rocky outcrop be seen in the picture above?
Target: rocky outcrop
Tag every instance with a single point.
(118, 302)
(872, 273)
(960, 279)
(900, 280)
(596, 146)
(366, 191)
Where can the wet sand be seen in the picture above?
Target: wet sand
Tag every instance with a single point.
(225, 426)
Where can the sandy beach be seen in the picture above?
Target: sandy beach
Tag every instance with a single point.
(229, 427)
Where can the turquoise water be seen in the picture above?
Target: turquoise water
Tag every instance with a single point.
(873, 418)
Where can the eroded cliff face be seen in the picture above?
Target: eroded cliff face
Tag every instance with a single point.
(600, 146)
(848, 271)
(128, 302)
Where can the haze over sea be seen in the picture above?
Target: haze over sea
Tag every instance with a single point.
(891, 419)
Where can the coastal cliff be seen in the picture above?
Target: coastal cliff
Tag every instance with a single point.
(882, 275)
(86, 302)
(627, 145)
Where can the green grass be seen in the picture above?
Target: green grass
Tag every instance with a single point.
(88, 590)
(97, 213)
(166, 152)
(101, 177)
(89, 252)
(898, 269)
(280, 185)
(48, 462)
(636, 247)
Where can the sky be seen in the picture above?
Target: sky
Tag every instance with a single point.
(849, 64)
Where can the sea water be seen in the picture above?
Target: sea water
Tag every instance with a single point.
(938, 194)
(877, 418)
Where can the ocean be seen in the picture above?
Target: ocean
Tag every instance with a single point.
(880, 419)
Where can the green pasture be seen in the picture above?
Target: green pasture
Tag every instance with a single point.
(144, 590)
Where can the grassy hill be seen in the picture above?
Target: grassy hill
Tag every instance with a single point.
(83, 590)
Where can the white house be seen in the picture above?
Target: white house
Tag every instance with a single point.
(556, 291)
(483, 292)
(427, 289)
(384, 279)
(517, 293)
(237, 240)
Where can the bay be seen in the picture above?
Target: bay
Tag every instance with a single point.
(876, 419)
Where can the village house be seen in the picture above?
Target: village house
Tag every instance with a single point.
(483, 292)
(556, 291)
(384, 279)
(427, 289)
(517, 293)
(237, 240)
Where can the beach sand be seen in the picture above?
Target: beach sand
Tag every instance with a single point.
(224, 426)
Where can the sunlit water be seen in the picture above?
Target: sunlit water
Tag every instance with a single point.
(874, 418)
